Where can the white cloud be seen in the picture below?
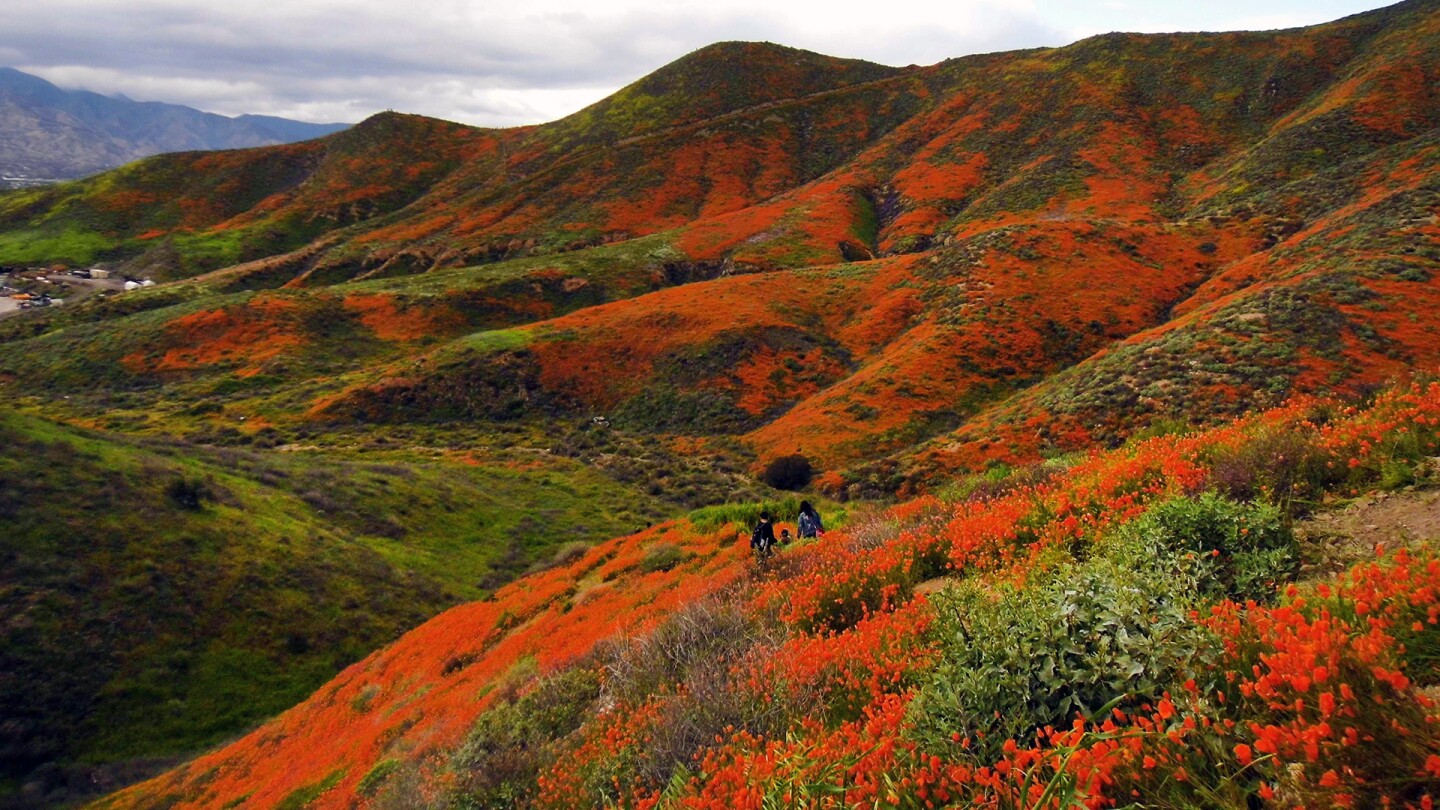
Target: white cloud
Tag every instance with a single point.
(111, 81)
(1269, 22)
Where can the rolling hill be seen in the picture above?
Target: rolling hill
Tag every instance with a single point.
(159, 597)
(869, 287)
(908, 276)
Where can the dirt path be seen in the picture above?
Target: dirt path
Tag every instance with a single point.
(1338, 539)
(69, 289)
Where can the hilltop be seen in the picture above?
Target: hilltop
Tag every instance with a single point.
(948, 279)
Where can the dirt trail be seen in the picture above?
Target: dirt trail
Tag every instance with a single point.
(1338, 539)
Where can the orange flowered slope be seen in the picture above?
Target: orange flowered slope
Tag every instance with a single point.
(995, 312)
(195, 211)
(851, 637)
(1103, 128)
(1083, 140)
(1340, 302)
(750, 346)
(375, 167)
(250, 335)
(1029, 210)
(877, 356)
(607, 186)
(390, 319)
(1375, 99)
(279, 330)
(845, 363)
(694, 139)
(422, 694)
(257, 332)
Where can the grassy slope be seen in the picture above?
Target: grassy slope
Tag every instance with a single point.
(136, 626)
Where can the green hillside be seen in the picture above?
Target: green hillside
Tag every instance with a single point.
(159, 597)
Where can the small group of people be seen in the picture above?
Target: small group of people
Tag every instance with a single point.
(763, 540)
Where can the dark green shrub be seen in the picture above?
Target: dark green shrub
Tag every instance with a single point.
(1283, 467)
(1220, 547)
(663, 558)
(515, 743)
(187, 493)
(788, 472)
(1016, 660)
(665, 408)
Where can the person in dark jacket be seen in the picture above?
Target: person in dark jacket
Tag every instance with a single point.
(762, 540)
(809, 523)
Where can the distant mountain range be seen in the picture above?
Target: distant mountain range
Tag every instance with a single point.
(47, 133)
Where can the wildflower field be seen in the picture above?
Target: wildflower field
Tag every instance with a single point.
(1126, 628)
(1073, 344)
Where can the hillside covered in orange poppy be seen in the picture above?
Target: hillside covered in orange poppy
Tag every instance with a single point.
(954, 280)
(1120, 626)
(844, 260)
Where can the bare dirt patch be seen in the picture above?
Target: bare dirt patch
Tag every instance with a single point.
(1338, 539)
(931, 586)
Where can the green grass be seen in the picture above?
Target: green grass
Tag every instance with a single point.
(214, 248)
(625, 265)
(301, 797)
(140, 626)
(70, 246)
(497, 340)
(782, 510)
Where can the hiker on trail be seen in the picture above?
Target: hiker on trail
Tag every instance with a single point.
(762, 540)
(810, 524)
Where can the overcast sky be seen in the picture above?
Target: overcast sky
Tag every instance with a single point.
(526, 61)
